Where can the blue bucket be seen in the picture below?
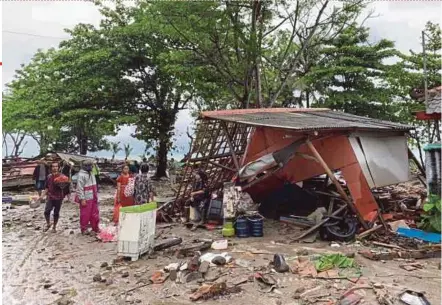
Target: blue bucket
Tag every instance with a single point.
(256, 226)
(242, 227)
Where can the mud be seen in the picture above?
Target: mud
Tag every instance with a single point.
(59, 268)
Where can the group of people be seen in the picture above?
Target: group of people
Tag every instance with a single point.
(133, 188)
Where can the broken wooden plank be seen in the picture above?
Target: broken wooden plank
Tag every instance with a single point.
(222, 166)
(336, 183)
(369, 231)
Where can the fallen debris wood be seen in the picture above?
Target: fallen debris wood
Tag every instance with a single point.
(390, 255)
(369, 231)
(135, 288)
(168, 243)
(209, 291)
(387, 245)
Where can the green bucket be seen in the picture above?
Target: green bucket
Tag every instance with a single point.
(228, 229)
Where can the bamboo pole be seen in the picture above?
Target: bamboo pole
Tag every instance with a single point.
(336, 182)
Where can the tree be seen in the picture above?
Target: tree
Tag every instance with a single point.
(156, 95)
(350, 75)
(408, 78)
(52, 91)
(239, 52)
(127, 150)
(115, 147)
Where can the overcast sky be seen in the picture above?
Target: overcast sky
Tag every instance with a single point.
(32, 25)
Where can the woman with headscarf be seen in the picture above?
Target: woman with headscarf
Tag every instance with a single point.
(87, 197)
(199, 197)
(121, 199)
(143, 191)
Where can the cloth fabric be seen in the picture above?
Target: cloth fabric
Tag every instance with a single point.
(42, 172)
(90, 215)
(54, 192)
(142, 189)
(200, 186)
(87, 190)
(40, 185)
(53, 204)
(86, 187)
(130, 187)
(123, 180)
(124, 201)
(36, 175)
(201, 201)
(172, 168)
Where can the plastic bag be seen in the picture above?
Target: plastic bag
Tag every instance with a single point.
(108, 234)
(34, 202)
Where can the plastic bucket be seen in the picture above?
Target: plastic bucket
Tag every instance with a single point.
(228, 230)
(256, 226)
(242, 227)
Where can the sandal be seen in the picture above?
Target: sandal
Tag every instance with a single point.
(46, 228)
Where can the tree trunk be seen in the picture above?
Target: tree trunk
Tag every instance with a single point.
(307, 98)
(44, 144)
(166, 119)
(5, 143)
(82, 143)
(162, 157)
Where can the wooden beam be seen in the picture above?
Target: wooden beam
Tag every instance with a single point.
(222, 166)
(232, 148)
(212, 157)
(336, 183)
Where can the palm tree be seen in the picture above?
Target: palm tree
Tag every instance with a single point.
(127, 150)
(115, 149)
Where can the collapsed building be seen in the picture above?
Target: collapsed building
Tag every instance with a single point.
(262, 150)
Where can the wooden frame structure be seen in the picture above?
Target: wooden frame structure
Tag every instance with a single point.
(217, 150)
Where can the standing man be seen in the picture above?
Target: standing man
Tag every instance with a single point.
(172, 171)
(40, 174)
(55, 196)
(87, 197)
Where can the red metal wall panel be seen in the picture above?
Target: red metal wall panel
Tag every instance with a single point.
(336, 151)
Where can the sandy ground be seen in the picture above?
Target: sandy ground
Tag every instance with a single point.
(58, 268)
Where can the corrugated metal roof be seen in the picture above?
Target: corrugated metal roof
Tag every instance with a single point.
(309, 119)
(434, 104)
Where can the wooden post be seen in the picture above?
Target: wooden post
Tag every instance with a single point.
(336, 182)
(419, 166)
(232, 148)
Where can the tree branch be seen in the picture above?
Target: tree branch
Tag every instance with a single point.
(312, 32)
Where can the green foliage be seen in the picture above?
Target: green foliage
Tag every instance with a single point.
(330, 261)
(431, 220)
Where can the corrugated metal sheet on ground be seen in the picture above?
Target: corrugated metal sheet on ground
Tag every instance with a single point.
(307, 120)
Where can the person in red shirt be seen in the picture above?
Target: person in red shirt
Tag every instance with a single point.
(55, 196)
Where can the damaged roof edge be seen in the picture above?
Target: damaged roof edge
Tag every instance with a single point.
(299, 119)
